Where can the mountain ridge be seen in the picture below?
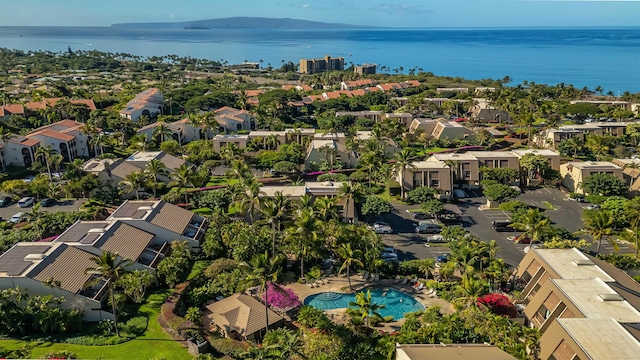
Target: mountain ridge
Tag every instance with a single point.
(241, 23)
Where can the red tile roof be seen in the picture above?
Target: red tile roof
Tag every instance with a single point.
(52, 134)
(12, 109)
(288, 86)
(26, 142)
(305, 87)
(254, 93)
(373, 89)
(35, 105)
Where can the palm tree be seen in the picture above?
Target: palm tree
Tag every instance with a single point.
(633, 216)
(427, 266)
(183, 178)
(470, 288)
(275, 212)
(265, 270)
(598, 224)
(403, 160)
(350, 257)
(533, 223)
(161, 131)
(44, 154)
(365, 308)
(251, 199)
(305, 233)
(271, 142)
(155, 168)
(348, 193)
(133, 182)
(326, 209)
(109, 267)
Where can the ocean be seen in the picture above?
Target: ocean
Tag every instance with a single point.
(607, 57)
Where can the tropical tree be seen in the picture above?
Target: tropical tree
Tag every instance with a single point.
(402, 161)
(154, 169)
(275, 211)
(305, 233)
(135, 284)
(265, 269)
(133, 182)
(598, 224)
(250, 199)
(183, 178)
(161, 131)
(365, 308)
(326, 209)
(633, 217)
(426, 266)
(44, 154)
(348, 192)
(350, 257)
(109, 268)
(533, 223)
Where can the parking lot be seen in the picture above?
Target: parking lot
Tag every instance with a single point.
(66, 205)
(561, 211)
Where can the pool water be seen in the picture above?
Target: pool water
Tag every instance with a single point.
(396, 303)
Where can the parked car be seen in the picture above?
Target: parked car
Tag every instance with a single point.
(48, 202)
(5, 201)
(389, 256)
(380, 224)
(383, 230)
(26, 202)
(435, 239)
(421, 216)
(502, 226)
(429, 229)
(388, 249)
(459, 193)
(449, 218)
(29, 178)
(593, 207)
(443, 258)
(16, 218)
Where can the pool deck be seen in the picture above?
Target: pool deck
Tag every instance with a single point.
(340, 284)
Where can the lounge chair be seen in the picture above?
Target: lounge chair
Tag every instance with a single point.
(433, 295)
(405, 281)
(377, 277)
(429, 292)
(419, 287)
(398, 278)
(312, 285)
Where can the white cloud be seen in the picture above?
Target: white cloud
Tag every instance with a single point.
(306, 6)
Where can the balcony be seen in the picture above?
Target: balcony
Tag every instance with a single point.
(96, 292)
(153, 255)
(196, 228)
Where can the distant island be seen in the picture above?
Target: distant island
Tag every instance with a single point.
(240, 23)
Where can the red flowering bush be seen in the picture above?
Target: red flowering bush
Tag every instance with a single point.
(281, 297)
(498, 304)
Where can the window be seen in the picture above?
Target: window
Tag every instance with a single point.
(504, 163)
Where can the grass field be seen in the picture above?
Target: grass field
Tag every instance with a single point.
(155, 343)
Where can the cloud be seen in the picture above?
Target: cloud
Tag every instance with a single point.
(306, 6)
(402, 8)
(172, 16)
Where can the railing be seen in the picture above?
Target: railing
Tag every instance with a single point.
(100, 294)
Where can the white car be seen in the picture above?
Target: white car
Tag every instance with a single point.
(26, 202)
(17, 217)
(593, 207)
(383, 230)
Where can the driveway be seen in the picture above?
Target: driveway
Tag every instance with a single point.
(69, 205)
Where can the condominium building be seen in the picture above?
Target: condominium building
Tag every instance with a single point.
(575, 172)
(312, 66)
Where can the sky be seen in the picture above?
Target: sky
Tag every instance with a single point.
(385, 13)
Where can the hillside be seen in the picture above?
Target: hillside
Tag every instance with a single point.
(239, 23)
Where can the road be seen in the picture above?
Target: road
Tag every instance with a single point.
(561, 211)
(71, 205)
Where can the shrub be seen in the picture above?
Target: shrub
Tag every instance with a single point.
(421, 195)
(333, 177)
(375, 205)
(513, 206)
(280, 297)
(410, 267)
(229, 347)
(498, 304)
(394, 187)
(313, 318)
(136, 326)
(61, 354)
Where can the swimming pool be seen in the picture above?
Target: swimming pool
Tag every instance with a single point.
(396, 303)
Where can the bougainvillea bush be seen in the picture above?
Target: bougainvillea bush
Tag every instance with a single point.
(498, 304)
(281, 297)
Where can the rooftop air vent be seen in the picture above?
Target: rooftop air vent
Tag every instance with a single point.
(34, 257)
(611, 297)
(583, 262)
(95, 231)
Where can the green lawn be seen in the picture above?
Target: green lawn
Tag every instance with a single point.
(221, 180)
(155, 343)
(197, 268)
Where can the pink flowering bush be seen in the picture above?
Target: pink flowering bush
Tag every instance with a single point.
(281, 297)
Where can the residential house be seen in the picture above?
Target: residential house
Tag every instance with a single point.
(450, 352)
(585, 307)
(465, 168)
(424, 125)
(390, 146)
(532, 178)
(575, 172)
(112, 171)
(232, 120)
(221, 141)
(616, 103)
(33, 266)
(550, 138)
(482, 90)
(262, 136)
(312, 66)
(403, 118)
(174, 132)
(495, 160)
(20, 151)
(11, 109)
(354, 84)
(493, 115)
(431, 173)
(166, 221)
(240, 317)
(452, 130)
(365, 69)
(147, 103)
(630, 172)
(340, 138)
(459, 90)
(331, 151)
(371, 115)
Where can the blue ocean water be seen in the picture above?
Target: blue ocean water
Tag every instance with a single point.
(607, 57)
